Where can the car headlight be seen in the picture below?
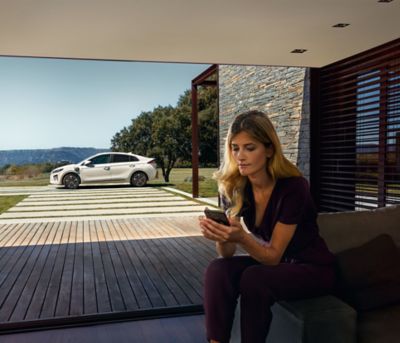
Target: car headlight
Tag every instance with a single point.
(57, 170)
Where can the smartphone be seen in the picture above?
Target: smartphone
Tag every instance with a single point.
(217, 216)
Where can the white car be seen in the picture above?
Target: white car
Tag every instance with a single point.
(109, 167)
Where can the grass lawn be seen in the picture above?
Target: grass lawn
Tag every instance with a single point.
(7, 202)
(41, 180)
(391, 189)
(207, 188)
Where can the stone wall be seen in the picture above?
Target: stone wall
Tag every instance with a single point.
(281, 92)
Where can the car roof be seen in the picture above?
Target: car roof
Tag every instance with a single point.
(113, 153)
(117, 152)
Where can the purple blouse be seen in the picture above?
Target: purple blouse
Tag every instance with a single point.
(290, 203)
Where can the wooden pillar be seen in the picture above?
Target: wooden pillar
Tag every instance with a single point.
(195, 144)
(200, 80)
(315, 116)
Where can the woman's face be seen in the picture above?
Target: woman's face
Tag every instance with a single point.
(250, 154)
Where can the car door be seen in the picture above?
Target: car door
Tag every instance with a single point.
(98, 170)
(122, 166)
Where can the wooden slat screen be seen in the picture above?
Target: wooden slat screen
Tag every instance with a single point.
(359, 131)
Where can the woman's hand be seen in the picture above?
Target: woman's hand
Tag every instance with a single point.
(221, 233)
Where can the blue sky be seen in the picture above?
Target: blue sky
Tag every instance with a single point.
(48, 103)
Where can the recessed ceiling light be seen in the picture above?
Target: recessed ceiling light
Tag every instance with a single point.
(298, 51)
(341, 25)
(386, 1)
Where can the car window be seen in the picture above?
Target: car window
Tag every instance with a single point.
(100, 159)
(133, 159)
(120, 158)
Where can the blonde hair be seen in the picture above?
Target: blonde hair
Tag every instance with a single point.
(231, 184)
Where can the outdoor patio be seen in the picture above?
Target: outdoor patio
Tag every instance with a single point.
(56, 273)
(327, 74)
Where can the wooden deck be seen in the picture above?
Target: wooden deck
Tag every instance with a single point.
(66, 272)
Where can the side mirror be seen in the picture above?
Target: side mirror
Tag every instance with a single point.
(87, 163)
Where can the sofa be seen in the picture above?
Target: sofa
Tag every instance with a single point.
(365, 306)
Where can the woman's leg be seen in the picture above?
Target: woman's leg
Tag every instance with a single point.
(221, 290)
(261, 286)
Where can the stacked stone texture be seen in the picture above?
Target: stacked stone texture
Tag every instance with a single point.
(281, 92)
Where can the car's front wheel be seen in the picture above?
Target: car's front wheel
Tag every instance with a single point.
(138, 179)
(71, 181)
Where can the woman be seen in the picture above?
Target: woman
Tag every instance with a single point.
(287, 259)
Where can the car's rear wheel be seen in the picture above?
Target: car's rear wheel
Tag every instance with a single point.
(71, 181)
(139, 179)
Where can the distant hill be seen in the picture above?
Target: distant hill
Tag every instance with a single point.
(72, 155)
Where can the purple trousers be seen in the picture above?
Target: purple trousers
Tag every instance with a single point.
(259, 286)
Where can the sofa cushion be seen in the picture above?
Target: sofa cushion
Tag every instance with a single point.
(324, 319)
(311, 321)
(369, 275)
(379, 326)
(345, 230)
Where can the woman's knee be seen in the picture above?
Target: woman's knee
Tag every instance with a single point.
(251, 284)
(217, 268)
(228, 268)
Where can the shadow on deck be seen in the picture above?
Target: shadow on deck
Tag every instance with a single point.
(77, 272)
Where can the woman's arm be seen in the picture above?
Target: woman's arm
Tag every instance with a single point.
(226, 238)
(225, 249)
(271, 254)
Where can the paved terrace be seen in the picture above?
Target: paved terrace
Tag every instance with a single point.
(67, 257)
(97, 203)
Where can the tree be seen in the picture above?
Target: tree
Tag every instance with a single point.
(135, 138)
(208, 126)
(165, 133)
(171, 138)
(4, 168)
(208, 122)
